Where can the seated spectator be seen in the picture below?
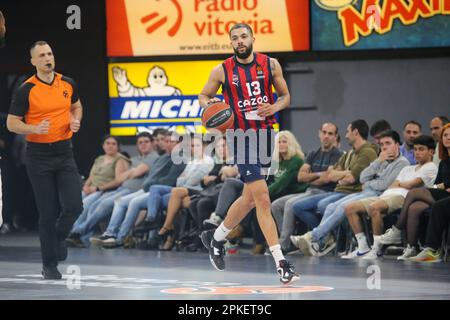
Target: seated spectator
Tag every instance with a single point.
(180, 197)
(436, 125)
(438, 222)
(126, 209)
(377, 128)
(422, 174)
(345, 173)
(104, 176)
(376, 178)
(411, 130)
(131, 181)
(158, 196)
(311, 172)
(418, 200)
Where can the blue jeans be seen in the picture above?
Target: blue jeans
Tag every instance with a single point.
(136, 200)
(100, 210)
(335, 212)
(158, 199)
(88, 201)
(305, 209)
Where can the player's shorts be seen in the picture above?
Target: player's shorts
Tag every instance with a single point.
(253, 154)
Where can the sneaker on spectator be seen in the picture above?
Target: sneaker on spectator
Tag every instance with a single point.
(98, 241)
(74, 241)
(371, 255)
(355, 254)
(427, 255)
(231, 248)
(111, 243)
(409, 252)
(129, 242)
(290, 250)
(391, 236)
(323, 246)
(304, 243)
(213, 221)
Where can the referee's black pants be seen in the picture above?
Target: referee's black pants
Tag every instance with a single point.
(57, 189)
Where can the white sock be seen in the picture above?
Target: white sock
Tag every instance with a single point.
(221, 233)
(376, 243)
(362, 242)
(276, 254)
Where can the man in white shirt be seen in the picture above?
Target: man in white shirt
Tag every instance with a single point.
(421, 175)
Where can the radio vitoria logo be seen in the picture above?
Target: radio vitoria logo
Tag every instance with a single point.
(158, 21)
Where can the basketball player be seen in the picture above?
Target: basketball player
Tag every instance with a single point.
(47, 109)
(245, 78)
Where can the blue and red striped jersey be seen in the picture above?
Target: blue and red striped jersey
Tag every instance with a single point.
(247, 86)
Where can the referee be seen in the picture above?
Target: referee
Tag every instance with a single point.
(46, 108)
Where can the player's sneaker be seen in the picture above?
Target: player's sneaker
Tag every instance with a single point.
(286, 272)
(216, 249)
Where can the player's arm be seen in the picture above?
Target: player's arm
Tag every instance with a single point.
(284, 98)
(208, 94)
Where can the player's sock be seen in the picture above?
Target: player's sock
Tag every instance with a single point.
(276, 254)
(221, 233)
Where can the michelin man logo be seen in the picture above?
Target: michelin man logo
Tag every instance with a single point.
(157, 84)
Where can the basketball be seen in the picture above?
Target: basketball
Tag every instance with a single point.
(218, 116)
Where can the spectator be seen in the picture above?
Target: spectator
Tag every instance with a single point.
(436, 125)
(418, 200)
(346, 173)
(376, 178)
(411, 130)
(312, 172)
(422, 174)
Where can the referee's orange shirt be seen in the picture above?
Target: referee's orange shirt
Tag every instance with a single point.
(36, 100)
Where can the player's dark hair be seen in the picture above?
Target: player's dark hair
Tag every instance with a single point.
(241, 25)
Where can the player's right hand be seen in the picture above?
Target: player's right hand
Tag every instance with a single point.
(43, 127)
(212, 100)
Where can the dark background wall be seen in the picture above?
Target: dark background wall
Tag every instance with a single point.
(80, 54)
(397, 90)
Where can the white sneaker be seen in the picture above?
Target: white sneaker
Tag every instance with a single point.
(409, 252)
(355, 254)
(371, 255)
(391, 236)
(304, 243)
(214, 220)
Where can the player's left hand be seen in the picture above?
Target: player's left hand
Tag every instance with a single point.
(266, 110)
(75, 125)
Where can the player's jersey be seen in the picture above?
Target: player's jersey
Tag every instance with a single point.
(246, 87)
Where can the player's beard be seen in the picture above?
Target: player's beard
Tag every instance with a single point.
(245, 54)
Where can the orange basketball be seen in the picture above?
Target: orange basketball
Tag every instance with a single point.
(218, 116)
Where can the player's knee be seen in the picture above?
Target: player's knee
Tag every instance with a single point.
(262, 200)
